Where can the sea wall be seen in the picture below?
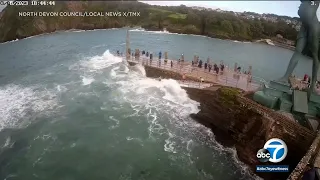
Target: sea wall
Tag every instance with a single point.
(155, 72)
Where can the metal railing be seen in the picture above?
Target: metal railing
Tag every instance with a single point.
(226, 77)
(194, 84)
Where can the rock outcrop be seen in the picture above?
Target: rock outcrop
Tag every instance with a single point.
(239, 122)
(247, 126)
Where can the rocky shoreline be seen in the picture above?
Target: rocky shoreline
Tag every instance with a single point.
(239, 122)
(91, 28)
(237, 125)
(86, 27)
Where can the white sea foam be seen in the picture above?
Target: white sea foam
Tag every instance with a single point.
(19, 104)
(135, 139)
(81, 30)
(10, 41)
(98, 46)
(155, 32)
(103, 61)
(241, 41)
(170, 89)
(139, 69)
(8, 143)
(61, 88)
(87, 80)
(115, 121)
(169, 145)
(137, 30)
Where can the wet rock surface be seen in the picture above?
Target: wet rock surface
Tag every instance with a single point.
(237, 124)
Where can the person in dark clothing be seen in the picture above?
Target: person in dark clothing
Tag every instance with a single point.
(171, 64)
(215, 67)
(147, 54)
(118, 53)
(205, 65)
(143, 52)
(239, 69)
(151, 56)
(200, 64)
(222, 67)
(160, 54)
(192, 63)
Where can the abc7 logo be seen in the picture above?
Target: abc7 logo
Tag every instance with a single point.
(263, 155)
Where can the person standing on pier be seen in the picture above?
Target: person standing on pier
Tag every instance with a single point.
(159, 62)
(147, 54)
(160, 55)
(171, 63)
(205, 66)
(200, 64)
(151, 59)
(210, 66)
(222, 68)
(215, 68)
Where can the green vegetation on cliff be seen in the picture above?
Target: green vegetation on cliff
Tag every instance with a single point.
(179, 19)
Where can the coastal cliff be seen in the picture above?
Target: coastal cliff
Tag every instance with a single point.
(246, 126)
(18, 22)
(239, 122)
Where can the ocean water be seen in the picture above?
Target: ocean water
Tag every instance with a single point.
(70, 109)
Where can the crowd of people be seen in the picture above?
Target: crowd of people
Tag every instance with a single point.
(208, 65)
(195, 64)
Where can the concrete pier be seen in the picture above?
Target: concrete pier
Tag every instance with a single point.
(226, 78)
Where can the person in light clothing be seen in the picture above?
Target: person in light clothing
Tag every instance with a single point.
(183, 77)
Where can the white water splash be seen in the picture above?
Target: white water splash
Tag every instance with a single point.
(61, 88)
(97, 63)
(155, 32)
(87, 80)
(10, 41)
(166, 89)
(138, 68)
